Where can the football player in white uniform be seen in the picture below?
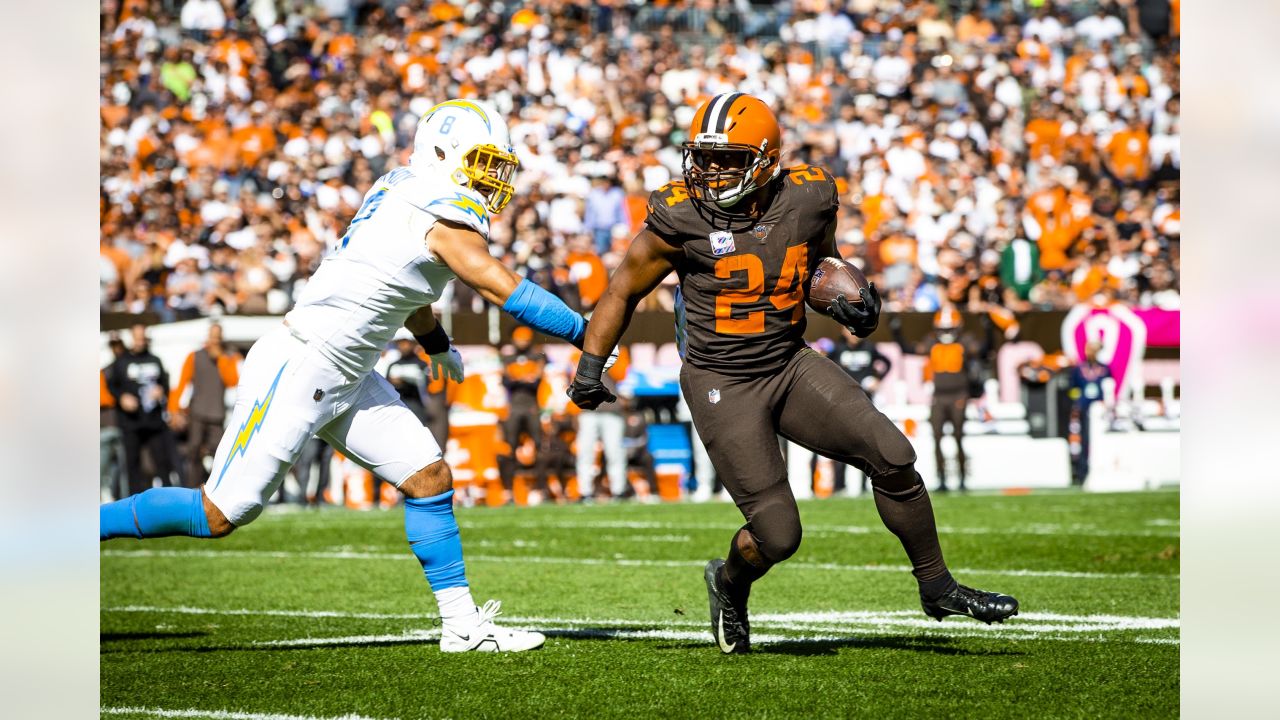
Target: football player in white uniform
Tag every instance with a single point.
(418, 227)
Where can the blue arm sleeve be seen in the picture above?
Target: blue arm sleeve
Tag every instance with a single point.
(544, 312)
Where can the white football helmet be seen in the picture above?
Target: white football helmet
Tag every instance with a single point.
(468, 142)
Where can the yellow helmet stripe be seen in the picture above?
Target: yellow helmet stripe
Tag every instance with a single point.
(465, 105)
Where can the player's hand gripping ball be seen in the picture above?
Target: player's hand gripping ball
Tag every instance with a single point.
(840, 290)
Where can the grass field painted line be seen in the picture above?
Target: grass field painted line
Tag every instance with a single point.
(1120, 622)
(219, 714)
(1031, 626)
(339, 519)
(760, 639)
(625, 562)
(315, 614)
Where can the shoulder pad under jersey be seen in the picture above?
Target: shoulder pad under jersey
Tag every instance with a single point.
(664, 208)
(817, 184)
(441, 197)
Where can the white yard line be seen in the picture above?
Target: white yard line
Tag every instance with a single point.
(316, 614)
(645, 538)
(827, 625)
(815, 530)
(219, 714)
(624, 562)
(757, 638)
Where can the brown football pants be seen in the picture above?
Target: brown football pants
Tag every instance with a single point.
(814, 403)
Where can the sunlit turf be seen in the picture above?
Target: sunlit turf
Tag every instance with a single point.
(325, 614)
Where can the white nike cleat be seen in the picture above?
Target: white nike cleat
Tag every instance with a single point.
(484, 636)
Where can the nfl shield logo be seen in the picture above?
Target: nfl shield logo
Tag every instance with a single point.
(761, 231)
(714, 396)
(721, 243)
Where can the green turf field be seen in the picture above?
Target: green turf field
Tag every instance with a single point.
(326, 614)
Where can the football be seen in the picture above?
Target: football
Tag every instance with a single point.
(834, 277)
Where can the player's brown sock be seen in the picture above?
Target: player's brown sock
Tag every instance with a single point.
(743, 564)
(909, 515)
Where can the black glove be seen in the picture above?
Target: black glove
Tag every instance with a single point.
(861, 319)
(587, 391)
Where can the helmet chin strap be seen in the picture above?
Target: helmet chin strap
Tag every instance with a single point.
(744, 190)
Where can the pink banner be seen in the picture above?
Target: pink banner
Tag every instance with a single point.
(1121, 337)
(1163, 326)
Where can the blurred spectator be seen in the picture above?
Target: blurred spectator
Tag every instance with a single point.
(316, 454)
(208, 373)
(587, 271)
(867, 366)
(1089, 384)
(951, 356)
(238, 139)
(138, 381)
(636, 441)
(1020, 270)
(523, 366)
(111, 461)
(608, 426)
(409, 374)
(1100, 27)
(202, 16)
(606, 209)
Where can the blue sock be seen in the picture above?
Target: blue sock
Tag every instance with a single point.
(433, 536)
(158, 512)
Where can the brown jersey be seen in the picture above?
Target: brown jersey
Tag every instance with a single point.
(743, 281)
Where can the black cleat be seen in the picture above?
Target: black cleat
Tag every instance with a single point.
(729, 624)
(988, 607)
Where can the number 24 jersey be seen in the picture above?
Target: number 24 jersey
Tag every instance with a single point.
(741, 308)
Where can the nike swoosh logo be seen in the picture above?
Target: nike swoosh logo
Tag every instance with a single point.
(724, 647)
(464, 638)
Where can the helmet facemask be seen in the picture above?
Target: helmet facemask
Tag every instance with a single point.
(722, 172)
(489, 171)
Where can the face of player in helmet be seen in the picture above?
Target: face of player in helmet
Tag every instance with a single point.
(721, 174)
(733, 148)
(490, 171)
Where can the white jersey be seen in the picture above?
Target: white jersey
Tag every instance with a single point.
(382, 271)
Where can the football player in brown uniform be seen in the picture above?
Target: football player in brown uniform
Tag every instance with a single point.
(951, 357)
(744, 235)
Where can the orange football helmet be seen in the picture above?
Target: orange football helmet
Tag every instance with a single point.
(948, 318)
(734, 147)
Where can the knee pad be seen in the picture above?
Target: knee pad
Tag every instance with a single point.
(775, 524)
(898, 481)
(897, 451)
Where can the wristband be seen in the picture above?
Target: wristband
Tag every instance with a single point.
(591, 367)
(434, 342)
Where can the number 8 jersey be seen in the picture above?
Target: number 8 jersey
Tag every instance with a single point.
(382, 272)
(741, 307)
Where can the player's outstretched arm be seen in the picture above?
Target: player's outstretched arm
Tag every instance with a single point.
(647, 262)
(467, 254)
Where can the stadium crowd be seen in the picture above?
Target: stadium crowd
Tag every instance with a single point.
(1022, 153)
